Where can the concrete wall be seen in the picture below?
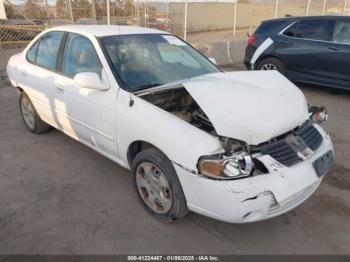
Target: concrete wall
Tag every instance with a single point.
(209, 16)
(225, 53)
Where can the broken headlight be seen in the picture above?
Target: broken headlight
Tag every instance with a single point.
(238, 165)
(318, 114)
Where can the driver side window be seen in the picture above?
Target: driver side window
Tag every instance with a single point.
(80, 56)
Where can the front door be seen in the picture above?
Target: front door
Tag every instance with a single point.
(87, 115)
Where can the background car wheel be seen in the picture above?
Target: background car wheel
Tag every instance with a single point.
(271, 64)
(30, 117)
(158, 186)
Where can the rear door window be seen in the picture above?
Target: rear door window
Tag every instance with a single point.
(49, 44)
(315, 29)
(341, 32)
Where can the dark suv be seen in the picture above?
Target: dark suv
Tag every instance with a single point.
(313, 50)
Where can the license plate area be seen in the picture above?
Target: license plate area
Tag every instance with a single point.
(323, 164)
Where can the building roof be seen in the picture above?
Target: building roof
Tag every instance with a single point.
(107, 30)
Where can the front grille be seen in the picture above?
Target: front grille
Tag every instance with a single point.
(284, 153)
(310, 135)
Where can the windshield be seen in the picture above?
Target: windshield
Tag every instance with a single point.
(144, 61)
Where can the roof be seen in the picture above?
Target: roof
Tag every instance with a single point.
(107, 30)
(292, 18)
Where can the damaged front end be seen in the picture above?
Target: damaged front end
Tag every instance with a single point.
(238, 159)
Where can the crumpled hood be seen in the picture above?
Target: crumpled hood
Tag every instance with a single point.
(253, 106)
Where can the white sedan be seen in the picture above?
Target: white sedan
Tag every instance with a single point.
(238, 147)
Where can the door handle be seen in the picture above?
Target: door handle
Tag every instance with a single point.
(334, 48)
(59, 86)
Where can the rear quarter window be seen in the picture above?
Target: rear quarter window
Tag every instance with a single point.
(267, 27)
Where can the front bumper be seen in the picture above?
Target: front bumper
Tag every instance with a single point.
(255, 198)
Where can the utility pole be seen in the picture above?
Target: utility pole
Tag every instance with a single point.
(276, 9)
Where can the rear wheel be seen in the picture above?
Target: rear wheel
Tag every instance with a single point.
(271, 63)
(30, 117)
(157, 186)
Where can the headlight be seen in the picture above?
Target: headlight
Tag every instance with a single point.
(237, 165)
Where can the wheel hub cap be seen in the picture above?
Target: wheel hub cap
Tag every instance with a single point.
(154, 188)
(28, 113)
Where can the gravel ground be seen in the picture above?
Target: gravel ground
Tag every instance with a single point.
(59, 197)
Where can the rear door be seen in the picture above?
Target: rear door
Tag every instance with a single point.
(303, 45)
(39, 72)
(336, 66)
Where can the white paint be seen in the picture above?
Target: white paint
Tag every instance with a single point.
(250, 106)
(261, 49)
(2, 10)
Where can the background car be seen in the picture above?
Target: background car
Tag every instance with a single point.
(312, 50)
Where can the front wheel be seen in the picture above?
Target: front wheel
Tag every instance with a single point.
(157, 186)
(271, 64)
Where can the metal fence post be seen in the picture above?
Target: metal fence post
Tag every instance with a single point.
(185, 20)
(93, 12)
(235, 19)
(324, 7)
(71, 10)
(276, 9)
(108, 13)
(146, 12)
(308, 7)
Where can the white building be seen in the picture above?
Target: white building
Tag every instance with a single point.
(2, 10)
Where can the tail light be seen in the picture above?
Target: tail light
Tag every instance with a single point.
(251, 40)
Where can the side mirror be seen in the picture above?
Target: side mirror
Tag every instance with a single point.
(212, 59)
(90, 80)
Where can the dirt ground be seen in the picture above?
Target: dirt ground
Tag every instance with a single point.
(59, 197)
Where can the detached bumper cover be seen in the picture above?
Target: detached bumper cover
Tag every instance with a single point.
(255, 198)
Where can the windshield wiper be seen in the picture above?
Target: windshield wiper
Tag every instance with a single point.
(150, 85)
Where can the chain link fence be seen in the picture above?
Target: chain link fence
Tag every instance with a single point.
(215, 27)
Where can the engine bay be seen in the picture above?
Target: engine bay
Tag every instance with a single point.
(181, 104)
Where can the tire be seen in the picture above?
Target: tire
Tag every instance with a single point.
(169, 203)
(273, 63)
(30, 117)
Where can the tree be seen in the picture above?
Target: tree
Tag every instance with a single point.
(33, 10)
(10, 11)
(61, 9)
